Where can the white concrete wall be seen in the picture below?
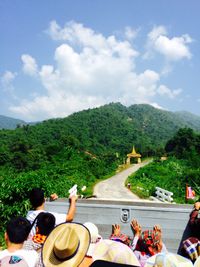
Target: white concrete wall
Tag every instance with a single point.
(173, 218)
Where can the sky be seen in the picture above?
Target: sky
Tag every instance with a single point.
(60, 57)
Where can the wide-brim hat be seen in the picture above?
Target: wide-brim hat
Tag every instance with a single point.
(197, 262)
(66, 245)
(113, 251)
(94, 235)
(168, 260)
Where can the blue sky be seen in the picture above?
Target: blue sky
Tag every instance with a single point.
(59, 57)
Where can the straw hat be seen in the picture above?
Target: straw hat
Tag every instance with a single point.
(67, 245)
(168, 260)
(197, 262)
(114, 251)
(94, 235)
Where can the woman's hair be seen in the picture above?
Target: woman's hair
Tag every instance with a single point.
(45, 222)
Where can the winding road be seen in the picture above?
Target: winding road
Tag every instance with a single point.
(114, 188)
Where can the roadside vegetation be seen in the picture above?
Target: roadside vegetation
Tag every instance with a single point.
(181, 167)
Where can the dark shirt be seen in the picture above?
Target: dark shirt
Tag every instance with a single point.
(194, 223)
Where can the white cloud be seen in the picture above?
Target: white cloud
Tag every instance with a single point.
(29, 65)
(90, 70)
(7, 80)
(76, 33)
(156, 105)
(131, 33)
(165, 91)
(156, 32)
(55, 105)
(173, 49)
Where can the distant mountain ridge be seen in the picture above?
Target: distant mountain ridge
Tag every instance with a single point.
(114, 127)
(192, 120)
(10, 123)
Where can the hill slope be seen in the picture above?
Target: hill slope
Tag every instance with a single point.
(117, 128)
(10, 123)
(86, 146)
(109, 129)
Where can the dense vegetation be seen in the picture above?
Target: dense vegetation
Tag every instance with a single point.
(182, 167)
(85, 147)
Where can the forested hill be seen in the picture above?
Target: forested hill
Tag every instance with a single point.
(80, 149)
(10, 123)
(107, 129)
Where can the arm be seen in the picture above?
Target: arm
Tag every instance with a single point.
(136, 229)
(72, 209)
(194, 215)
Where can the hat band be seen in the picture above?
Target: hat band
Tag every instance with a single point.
(68, 257)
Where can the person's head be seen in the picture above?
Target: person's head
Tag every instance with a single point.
(94, 236)
(17, 230)
(150, 241)
(113, 251)
(45, 223)
(169, 260)
(66, 245)
(37, 197)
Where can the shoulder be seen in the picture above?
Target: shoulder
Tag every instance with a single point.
(30, 256)
(194, 213)
(60, 217)
(4, 253)
(32, 214)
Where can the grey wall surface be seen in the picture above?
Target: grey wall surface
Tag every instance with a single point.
(173, 218)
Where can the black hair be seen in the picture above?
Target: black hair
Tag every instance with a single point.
(18, 229)
(45, 222)
(36, 197)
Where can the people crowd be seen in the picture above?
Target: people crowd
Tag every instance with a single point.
(49, 239)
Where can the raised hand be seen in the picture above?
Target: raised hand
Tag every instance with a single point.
(136, 227)
(116, 229)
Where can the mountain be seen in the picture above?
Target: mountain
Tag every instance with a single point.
(112, 128)
(117, 127)
(193, 121)
(80, 149)
(10, 123)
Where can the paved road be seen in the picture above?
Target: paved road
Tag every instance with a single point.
(113, 188)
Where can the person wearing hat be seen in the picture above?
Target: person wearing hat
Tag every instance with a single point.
(114, 251)
(94, 235)
(94, 239)
(37, 201)
(66, 245)
(168, 260)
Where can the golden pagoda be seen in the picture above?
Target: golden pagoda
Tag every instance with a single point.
(133, 154)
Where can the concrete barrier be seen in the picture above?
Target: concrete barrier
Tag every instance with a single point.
(173, 218)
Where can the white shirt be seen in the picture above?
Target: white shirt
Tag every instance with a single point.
(30, 256)
(32, 214)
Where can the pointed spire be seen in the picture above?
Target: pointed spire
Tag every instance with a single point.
(133, 151)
